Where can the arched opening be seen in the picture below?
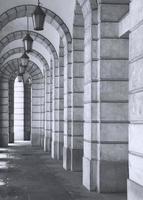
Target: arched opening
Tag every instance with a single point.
(18, 110)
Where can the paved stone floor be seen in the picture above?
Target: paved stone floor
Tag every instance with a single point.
(27, 173)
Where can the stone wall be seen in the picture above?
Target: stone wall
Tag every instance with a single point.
(135, 182)
(80, 110)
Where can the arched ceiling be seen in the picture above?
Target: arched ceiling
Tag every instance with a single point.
(13, 25)
(21, 24)
(63, 8)
(11, 68)
(24, 10)
(21, 50)
(34, 56)
(14, 40)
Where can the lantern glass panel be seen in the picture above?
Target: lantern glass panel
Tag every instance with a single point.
(38, 18)
(22, 69)
(20, 77)
(24, 59)
(28, 43)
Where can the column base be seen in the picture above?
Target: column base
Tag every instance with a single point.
(135, 191)
(27, 135)
(66, 158)
(76, 159)
(4, 140)
(113, 177)
(57, 150)
(60, 155)
(42, 141)
(47, 144)
(35, 139)
(11, 137)
(90, 174)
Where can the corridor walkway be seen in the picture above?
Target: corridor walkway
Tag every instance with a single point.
(27, 173)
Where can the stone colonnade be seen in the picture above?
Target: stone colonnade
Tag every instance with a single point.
(88, 114)
(80, 110)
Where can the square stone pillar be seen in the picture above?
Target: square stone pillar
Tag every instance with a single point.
(54, 134)
(135, 182)
(47, 112)
(58, 96)
(112, 136)
(42, 115)
(67, 108)
(36, 112)
(77, 94)
(60, 103)
(4, 113)
(49, 109)
(11, 111)
(91, 114)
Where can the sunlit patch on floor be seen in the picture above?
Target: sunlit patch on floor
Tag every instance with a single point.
(3, 165)
(4, 155)
(2, 183)
(3, 150)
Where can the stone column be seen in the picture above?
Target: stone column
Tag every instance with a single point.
(4, 112)
(48, 112)
(135, 182)
(54, 136)
(51, 105)
(11, 111)
(90, 96)
(45, 109)
(57, 138)
(36, 112)
(59, 104)
(27, 111)
(67, 107)
(77, 91)
(112, 134)
(42, 114)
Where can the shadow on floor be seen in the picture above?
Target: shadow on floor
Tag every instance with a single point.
(28, 173)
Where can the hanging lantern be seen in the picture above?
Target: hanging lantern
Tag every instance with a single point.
(29, 81)
(20, 77)
(28, 40)
(24, 59)
(38, 18)
(22, 69)
(28, 43)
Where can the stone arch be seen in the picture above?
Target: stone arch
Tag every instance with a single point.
(21, 50)
(8, 74)
(23, 10)
(60, 26)
(27, 89)
(100, 78)
(55, 20)
(52, 50)
(20, 34)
